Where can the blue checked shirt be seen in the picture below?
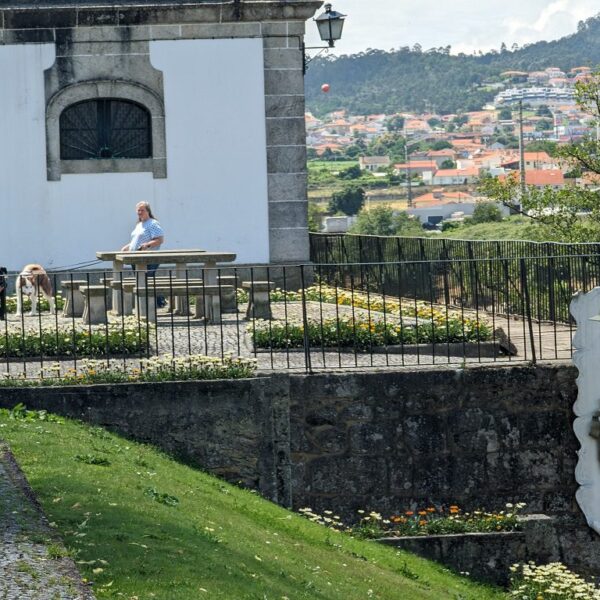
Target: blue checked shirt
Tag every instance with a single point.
(144, 232)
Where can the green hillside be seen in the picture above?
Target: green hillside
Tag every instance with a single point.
(141, 525)
(417, 79)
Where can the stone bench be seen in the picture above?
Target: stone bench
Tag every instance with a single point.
(74, 303)
(95, 304)
(259, 305)
(208, 299)
(123, 298)
(229, 300)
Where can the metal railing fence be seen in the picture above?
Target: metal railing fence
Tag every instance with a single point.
(349, 248)
(306, 317)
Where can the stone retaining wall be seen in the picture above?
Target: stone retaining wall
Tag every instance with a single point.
(379, 440)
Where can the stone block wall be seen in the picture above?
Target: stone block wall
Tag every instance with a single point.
(381, 440)
(474, 437)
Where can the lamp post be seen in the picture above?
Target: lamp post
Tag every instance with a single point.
(330, 25)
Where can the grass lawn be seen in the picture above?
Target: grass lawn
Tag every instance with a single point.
(141, 525)
(513, 228)
(331, 165)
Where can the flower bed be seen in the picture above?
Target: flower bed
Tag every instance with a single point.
(129, 337)
(426, 521)
(550, 582)
(154, 369)
(387, 323)
(364, 333)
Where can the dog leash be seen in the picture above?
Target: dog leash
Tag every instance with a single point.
(76, 266)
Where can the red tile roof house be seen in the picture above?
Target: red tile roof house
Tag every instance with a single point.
(439, 205)
(440, 156)
(533, 160)
(416, 166)
(541, 178)
(455, 176)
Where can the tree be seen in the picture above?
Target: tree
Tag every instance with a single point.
(440, 145)
(382, 220)
(448, 164)
(505, 114)
(389, 144)
(353, 172)
(571, 214)
(543, 111)
(395, 123)
(349, 200)
(315, 216)
(543, 125)
(542, 146)
(486, 212)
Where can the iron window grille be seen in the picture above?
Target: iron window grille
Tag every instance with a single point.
(105, 128)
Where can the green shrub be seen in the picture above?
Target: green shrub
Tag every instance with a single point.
(363, 334)
(129, 337)
(42, 305)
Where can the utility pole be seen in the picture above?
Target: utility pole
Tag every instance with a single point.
(521, 151)
(408, 174)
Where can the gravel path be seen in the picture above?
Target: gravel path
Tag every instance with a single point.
(27, 570)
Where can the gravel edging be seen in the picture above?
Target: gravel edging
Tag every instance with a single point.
(26, 569)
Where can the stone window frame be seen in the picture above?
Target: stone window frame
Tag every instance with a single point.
(90, 90)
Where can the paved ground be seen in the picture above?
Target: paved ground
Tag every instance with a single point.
(183, 335)
(28, 571)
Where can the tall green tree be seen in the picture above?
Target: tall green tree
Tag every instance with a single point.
(349, 200)
(571, 214)
(382, 220)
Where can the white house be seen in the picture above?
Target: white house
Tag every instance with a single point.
(374, 163)
(197, 108)
(455, 176)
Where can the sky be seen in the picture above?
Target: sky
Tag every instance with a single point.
(466, 25)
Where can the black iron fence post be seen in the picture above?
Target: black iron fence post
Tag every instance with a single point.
(305, 336)
(525, 288)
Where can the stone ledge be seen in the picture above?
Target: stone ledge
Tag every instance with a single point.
(486, 556)
(34, 16)
(469, 350)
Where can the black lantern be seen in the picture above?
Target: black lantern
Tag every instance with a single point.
(330, 25)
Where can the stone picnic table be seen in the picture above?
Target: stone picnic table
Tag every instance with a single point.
(181, 258)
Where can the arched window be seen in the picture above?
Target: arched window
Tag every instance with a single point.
(104, 128)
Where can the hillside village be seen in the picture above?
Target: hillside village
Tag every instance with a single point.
(446, 155)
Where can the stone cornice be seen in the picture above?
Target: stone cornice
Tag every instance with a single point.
(69, 15)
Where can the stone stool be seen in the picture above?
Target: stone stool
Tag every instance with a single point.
(73, 298)
(259, 306)
(95, 304)
(228, 296)
(145, 303)
(123, 298)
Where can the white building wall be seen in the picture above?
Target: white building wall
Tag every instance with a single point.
(442, 210)
(215, 195)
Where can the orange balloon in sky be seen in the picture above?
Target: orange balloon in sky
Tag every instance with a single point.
(325, 87)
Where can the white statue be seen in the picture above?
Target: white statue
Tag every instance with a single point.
(585, 308)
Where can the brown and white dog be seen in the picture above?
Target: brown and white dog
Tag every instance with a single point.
(32, 280)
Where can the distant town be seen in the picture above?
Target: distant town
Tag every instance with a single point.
(429, 164)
